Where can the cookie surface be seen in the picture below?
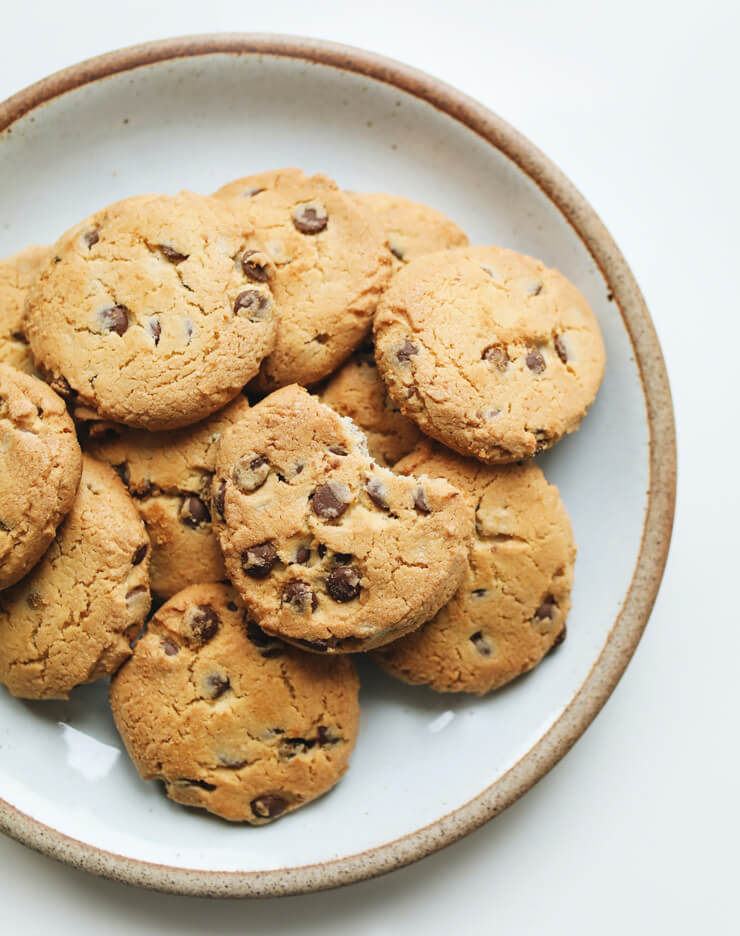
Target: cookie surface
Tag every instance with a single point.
(357, 391)
(71, 619)
(331, 263)
(412, 228)
(158, 311)
(231, 720)
(17, 273)
(169, 476)
(488, 351)
(328, 549)
(511, 607)
(40, 465)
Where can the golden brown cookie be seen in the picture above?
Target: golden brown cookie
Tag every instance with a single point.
(329, 550)
(331, 263)
(489, 351)
(17, 273)
(71, 619)
(169, 476)
(513, 601)
(229, 719)
(157, 311)
(40, 464)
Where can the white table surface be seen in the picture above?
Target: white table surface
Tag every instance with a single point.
(636, 830)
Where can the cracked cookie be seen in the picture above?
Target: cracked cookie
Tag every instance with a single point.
(40, 465)
(169, 476)
(329, 550)
(511, 607)
(412, 228)
(488, 351)
(17, 273)
(71, 619)
(231, 720)
(155, 311)
(357, 391)
(331, 264)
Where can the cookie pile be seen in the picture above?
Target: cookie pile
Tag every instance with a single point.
(300, 422)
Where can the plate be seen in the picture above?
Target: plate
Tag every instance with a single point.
(194, 113)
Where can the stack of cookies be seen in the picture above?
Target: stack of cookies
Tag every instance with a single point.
(299, 422)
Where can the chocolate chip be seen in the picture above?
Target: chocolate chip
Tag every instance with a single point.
(268, 806)
(317, 646)
(421, 504)
(323, 736)
(330, 500)
(299, 467)
(478, 592)
(19, 336)
(310, 219)
(193, 512)
(535, 361)
(343, 558)
(59, 385)
(377, 493)
(219, 499)
(231, 762)
(114, 319)
(303, 554)
(300, 596)
(397, 252)
(321, 550)
(258, 561)
(560, 348)
(337, 450)
(343, 583)
(292, 746)
(216, 685)
(154, 328)
(174, 256)
(203, 622)
(561, 635)
(496, 355)
(407, 350)
(543, 440)
(250, 472)
(480, 643)
(255, 266)
(203, 784)
(254, 304)
(232, 606)
(169, 646)
(139, 554)
(91, 238)
(547, 609)
(321, 338)
(35, 601)
(270, 646)
(122, 472)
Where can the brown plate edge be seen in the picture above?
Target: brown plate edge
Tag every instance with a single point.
(630, 622)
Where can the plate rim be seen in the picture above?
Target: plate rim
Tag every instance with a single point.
(632, 618)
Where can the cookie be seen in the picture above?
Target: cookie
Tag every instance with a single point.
(412, 228)
(511, 607)
(71, 619)
(331, 263)
(16, 275)
(488, 351)
(155, 312)
(40, 464)
(357, 391)
(231, 720)
(328, 550)
(169, 476)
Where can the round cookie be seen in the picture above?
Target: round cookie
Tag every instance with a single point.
(229, 719)
(169, 476)
(511, 607)
(40, 465)
(331, 262)
(71, 619)
(488, 351)
(357, 391)
(412, 228)
(329, 550)
(156, 311)
(16, 275)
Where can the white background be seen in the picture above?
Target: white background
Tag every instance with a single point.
(636, 830)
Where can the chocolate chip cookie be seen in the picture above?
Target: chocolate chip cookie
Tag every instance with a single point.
(71, 619)
(231, 720)
(16, 275)
(511, 607)
(329, 550)
(40, 465)
(155, 312)
(169, 476)
(331, 264)
(488, 351)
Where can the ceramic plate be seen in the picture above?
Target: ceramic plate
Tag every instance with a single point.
(428, 768)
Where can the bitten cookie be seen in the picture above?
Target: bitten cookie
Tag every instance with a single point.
(513, 601)
(156, 311)
(71, 619)
(40, 465)
(16, 275)
(169, 476)
(331, 263)
(329, 550)
(489, 351)
(231, 720)
(357, 391)
(412, 228)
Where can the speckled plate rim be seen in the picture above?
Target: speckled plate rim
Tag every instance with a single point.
(633, 616)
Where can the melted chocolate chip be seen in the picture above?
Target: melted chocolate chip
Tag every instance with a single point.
(547, 609)
(169, 646)
(254, 304)
(292, 746)
(421, 504)
(193, 512)
(174, 256)
(250, 473)
(255, 266)
(114, 319)
(496, 355)
(204, 623)
(91, 238)
(303, 554)
(300, 597)
(480, 643)
(268, 806)
(330, 501)
(407, 350)
(258, 561)
(310, 219)
(560, 348)
(343, 583)
(535, 361)
(219, 499)
(217, 684)
(139, 554)
(377, 493)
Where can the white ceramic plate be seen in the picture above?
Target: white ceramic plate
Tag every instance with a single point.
(428, 768)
